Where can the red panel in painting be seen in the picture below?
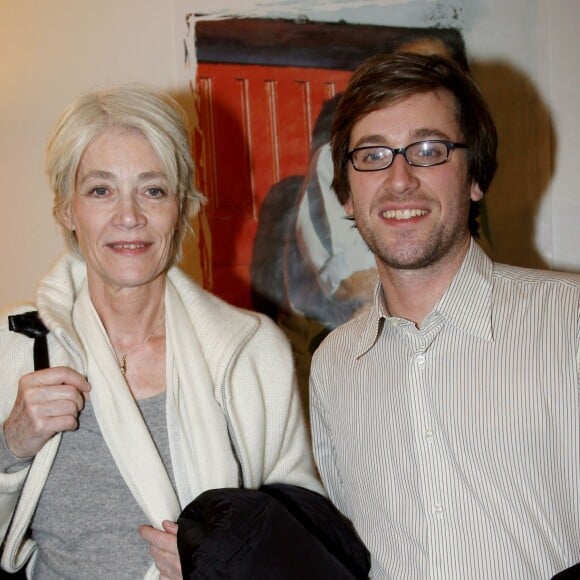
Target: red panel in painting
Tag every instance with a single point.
(256, 124)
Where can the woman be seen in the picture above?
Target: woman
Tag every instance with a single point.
(157, 390)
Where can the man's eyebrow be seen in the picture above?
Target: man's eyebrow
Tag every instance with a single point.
(370, 140)
(428, 133)
(415, 135)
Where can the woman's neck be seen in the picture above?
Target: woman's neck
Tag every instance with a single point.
(130, 315)
(134, 319)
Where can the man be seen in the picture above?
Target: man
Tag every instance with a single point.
(446, 417)
(327, 242)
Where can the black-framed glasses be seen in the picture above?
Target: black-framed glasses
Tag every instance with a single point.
(421, 154)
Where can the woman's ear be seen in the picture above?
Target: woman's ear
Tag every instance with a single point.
(65, 217)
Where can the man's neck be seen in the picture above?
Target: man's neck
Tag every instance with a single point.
(412, 294)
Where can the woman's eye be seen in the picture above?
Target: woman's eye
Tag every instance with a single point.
(98, 191)
(155, 192)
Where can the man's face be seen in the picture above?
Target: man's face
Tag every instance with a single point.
(412, 217)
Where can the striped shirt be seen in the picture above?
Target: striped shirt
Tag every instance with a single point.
(455, 449)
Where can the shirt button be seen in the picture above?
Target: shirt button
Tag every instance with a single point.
(420, 359)
(438, 510)
(428, 433)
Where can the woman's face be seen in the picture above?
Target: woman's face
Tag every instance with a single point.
(122, 211)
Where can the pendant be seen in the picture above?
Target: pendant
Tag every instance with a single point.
(123, 363)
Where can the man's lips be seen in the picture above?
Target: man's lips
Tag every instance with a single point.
(403, 214)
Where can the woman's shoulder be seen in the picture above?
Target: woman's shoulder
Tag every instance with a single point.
(212, 315)
(9, 311)
(16, 356)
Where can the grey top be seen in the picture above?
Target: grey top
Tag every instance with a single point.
(87, 520)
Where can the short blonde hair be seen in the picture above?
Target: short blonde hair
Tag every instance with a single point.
(155, 115)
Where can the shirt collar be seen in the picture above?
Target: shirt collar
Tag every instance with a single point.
(466, 304)
(374, 321)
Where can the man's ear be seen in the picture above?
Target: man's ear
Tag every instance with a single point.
(348, 208)
(475, 192)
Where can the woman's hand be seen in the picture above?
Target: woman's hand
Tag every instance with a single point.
(163, 549)
(48, 401)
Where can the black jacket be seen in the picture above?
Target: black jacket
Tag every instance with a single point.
(279, 532)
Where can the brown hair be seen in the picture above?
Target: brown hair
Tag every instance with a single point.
(384, 79)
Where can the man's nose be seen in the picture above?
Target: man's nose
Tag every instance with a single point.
(400, 176)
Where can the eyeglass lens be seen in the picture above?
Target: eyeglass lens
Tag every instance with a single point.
(422, 153)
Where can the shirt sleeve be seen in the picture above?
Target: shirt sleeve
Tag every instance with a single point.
(578, 351)
(324, 451)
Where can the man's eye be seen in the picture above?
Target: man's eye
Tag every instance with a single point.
(427, 152)
(430, 150)
(375, 155)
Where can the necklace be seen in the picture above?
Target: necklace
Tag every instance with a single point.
(122, 356)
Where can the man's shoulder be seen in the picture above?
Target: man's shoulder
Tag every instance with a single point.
(546, 279)
(547, 296)
(343, 340)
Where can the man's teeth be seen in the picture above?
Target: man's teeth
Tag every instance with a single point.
(403, 214)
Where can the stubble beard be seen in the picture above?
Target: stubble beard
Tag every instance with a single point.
(411, 252)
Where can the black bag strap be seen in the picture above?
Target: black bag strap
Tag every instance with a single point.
(29, 324)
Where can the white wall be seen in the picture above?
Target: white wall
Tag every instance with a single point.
(49, 53)
(52, 51)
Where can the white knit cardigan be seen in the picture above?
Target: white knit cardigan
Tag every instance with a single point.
(216, 353)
